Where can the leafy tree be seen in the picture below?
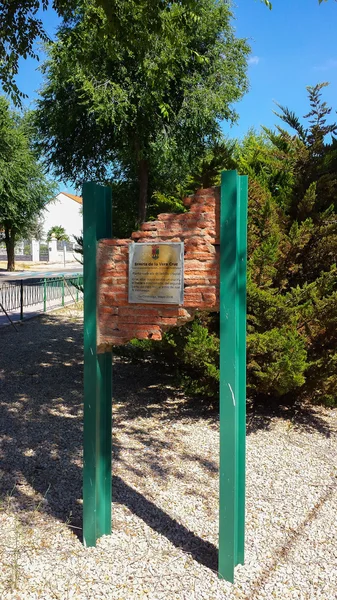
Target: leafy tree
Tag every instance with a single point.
(292, 237)
(58, 232)
(21, 28)
(311, 154)
(133, 107)
(36, 231)
(24, 188)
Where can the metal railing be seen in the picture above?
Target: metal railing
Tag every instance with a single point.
(42, 294)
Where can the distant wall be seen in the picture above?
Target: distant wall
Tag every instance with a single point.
(199, 229)
(65, 212)
(56, 252)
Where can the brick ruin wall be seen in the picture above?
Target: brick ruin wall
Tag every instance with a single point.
(199, 229)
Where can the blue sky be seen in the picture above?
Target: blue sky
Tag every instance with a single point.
(293, 45)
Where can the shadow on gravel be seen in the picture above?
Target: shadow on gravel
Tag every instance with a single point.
(41, 412)
(41, 372)
(202, 551)
(303, 418)
(153, 392)
(41, 430)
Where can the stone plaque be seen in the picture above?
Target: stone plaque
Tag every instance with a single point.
(156, 273)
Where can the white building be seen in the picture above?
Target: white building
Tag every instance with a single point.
(64, 210)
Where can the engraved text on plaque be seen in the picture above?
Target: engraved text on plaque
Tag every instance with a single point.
(156, 273)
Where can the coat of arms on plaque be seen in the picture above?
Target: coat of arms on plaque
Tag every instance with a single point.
(155, 252)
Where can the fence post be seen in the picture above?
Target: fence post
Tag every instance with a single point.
(35, 250)
(78, 283)
(21, 300)
(52, 250)
(63, 290)
(44, 295)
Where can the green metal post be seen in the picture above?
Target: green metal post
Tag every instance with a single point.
(241, 365)
(63, 290)
(21, 300)
(44, 295)
(78, 283)
(228, 361)
(233, 211)
(97, 224)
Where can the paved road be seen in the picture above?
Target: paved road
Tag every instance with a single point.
(55, 272)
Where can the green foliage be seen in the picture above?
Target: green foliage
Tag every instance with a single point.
(292, 233)
(36, 230)
(160, 203)
(24, 188)
(318, 328)
(20, 28)
(209, 164)
(139, 104)
(292, 274)
(276, 360)
(58, 232)
(196, 350)
(193, 350)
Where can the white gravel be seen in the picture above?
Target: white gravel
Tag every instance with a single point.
(165, 486)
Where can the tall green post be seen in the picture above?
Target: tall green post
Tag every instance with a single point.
(97, 224)
(44, 295)
(241, 365)
(233, 250)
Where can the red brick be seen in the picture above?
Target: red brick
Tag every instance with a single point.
(168, 311)
(168, 321)
(139, 310)
(116, 242)
(199, 229)
(143, 234)
(192, 297)
(110, 310)
(152, 226)
(164, 217)
(209, 297)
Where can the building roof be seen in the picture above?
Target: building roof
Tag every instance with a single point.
(73, 197)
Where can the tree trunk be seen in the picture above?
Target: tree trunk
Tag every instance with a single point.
(10, 248)
(143, 180)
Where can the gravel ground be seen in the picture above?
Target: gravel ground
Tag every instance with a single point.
(165, 486)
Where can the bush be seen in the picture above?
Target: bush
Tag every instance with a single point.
(292, 276)
(276, 361)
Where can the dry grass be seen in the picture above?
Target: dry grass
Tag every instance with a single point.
(19, 266)
(165, 486)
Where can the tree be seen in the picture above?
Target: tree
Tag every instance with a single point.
(59, 233)
(21, 28)
(37, 229)
(292, 235)
(292, 274)
(117, 106)
(24, 188)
